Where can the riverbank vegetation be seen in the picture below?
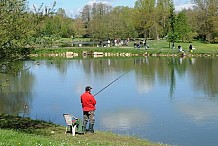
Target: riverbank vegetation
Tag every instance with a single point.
(15, 130)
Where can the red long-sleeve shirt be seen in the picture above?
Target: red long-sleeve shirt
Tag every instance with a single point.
(88, 101)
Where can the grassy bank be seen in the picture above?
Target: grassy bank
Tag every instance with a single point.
(25, 132)
(160, 47)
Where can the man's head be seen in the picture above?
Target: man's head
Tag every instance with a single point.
(88, 88)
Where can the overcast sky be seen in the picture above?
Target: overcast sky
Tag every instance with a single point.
(72, 7)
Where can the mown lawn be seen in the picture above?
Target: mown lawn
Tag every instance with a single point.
(155, 47)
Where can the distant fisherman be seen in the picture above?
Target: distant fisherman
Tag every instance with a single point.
(88, 105)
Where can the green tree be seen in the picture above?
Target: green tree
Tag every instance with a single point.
(79, 28)
(58, 25)
(15, 28)
(18, 26)
(18, 30)
(95, 18)
(86, 14)
(163, 12)
(144, 16)
(172, 34)
(66, 24)
(120, 23)
(207, 18)
(193, 22)
(183, 27)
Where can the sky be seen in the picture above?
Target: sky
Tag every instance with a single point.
(72, 7)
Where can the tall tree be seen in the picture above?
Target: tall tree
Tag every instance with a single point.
(86, 14)
(144, 16)
(172, 34)
(79, 28)
(163, 12)
(207, 11)
(192, 21)
(183, 27)
(120, 23)
(95, 18)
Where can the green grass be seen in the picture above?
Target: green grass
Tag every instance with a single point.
(155, 47)
(200, 47)
(40, 133)
(12, 137)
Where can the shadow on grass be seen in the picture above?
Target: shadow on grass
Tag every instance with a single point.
(24, 124)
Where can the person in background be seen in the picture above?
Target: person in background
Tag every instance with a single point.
(190, 48)
(88, 105)
(180, 49)
(135, 44)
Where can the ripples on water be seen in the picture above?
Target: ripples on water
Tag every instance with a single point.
(167, 100)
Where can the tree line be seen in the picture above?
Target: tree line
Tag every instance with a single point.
(154, 19)
(23, 28)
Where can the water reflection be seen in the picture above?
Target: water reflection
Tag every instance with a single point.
(157, 96)
(199, 111)
(124, 119)
(17, 94)
(204, 74)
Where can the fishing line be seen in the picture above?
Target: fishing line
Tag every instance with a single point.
(111, 82)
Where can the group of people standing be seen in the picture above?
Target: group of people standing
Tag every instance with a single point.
(113, 42)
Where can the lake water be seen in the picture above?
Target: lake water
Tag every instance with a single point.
(166, 100)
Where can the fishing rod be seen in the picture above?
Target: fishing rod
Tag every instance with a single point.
(111, 82)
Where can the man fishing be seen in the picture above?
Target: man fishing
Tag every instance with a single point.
(88, 105)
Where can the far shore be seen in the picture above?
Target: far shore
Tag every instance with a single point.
(156, 48)
(115, 52)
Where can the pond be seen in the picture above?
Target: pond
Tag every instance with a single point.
(161, 99)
